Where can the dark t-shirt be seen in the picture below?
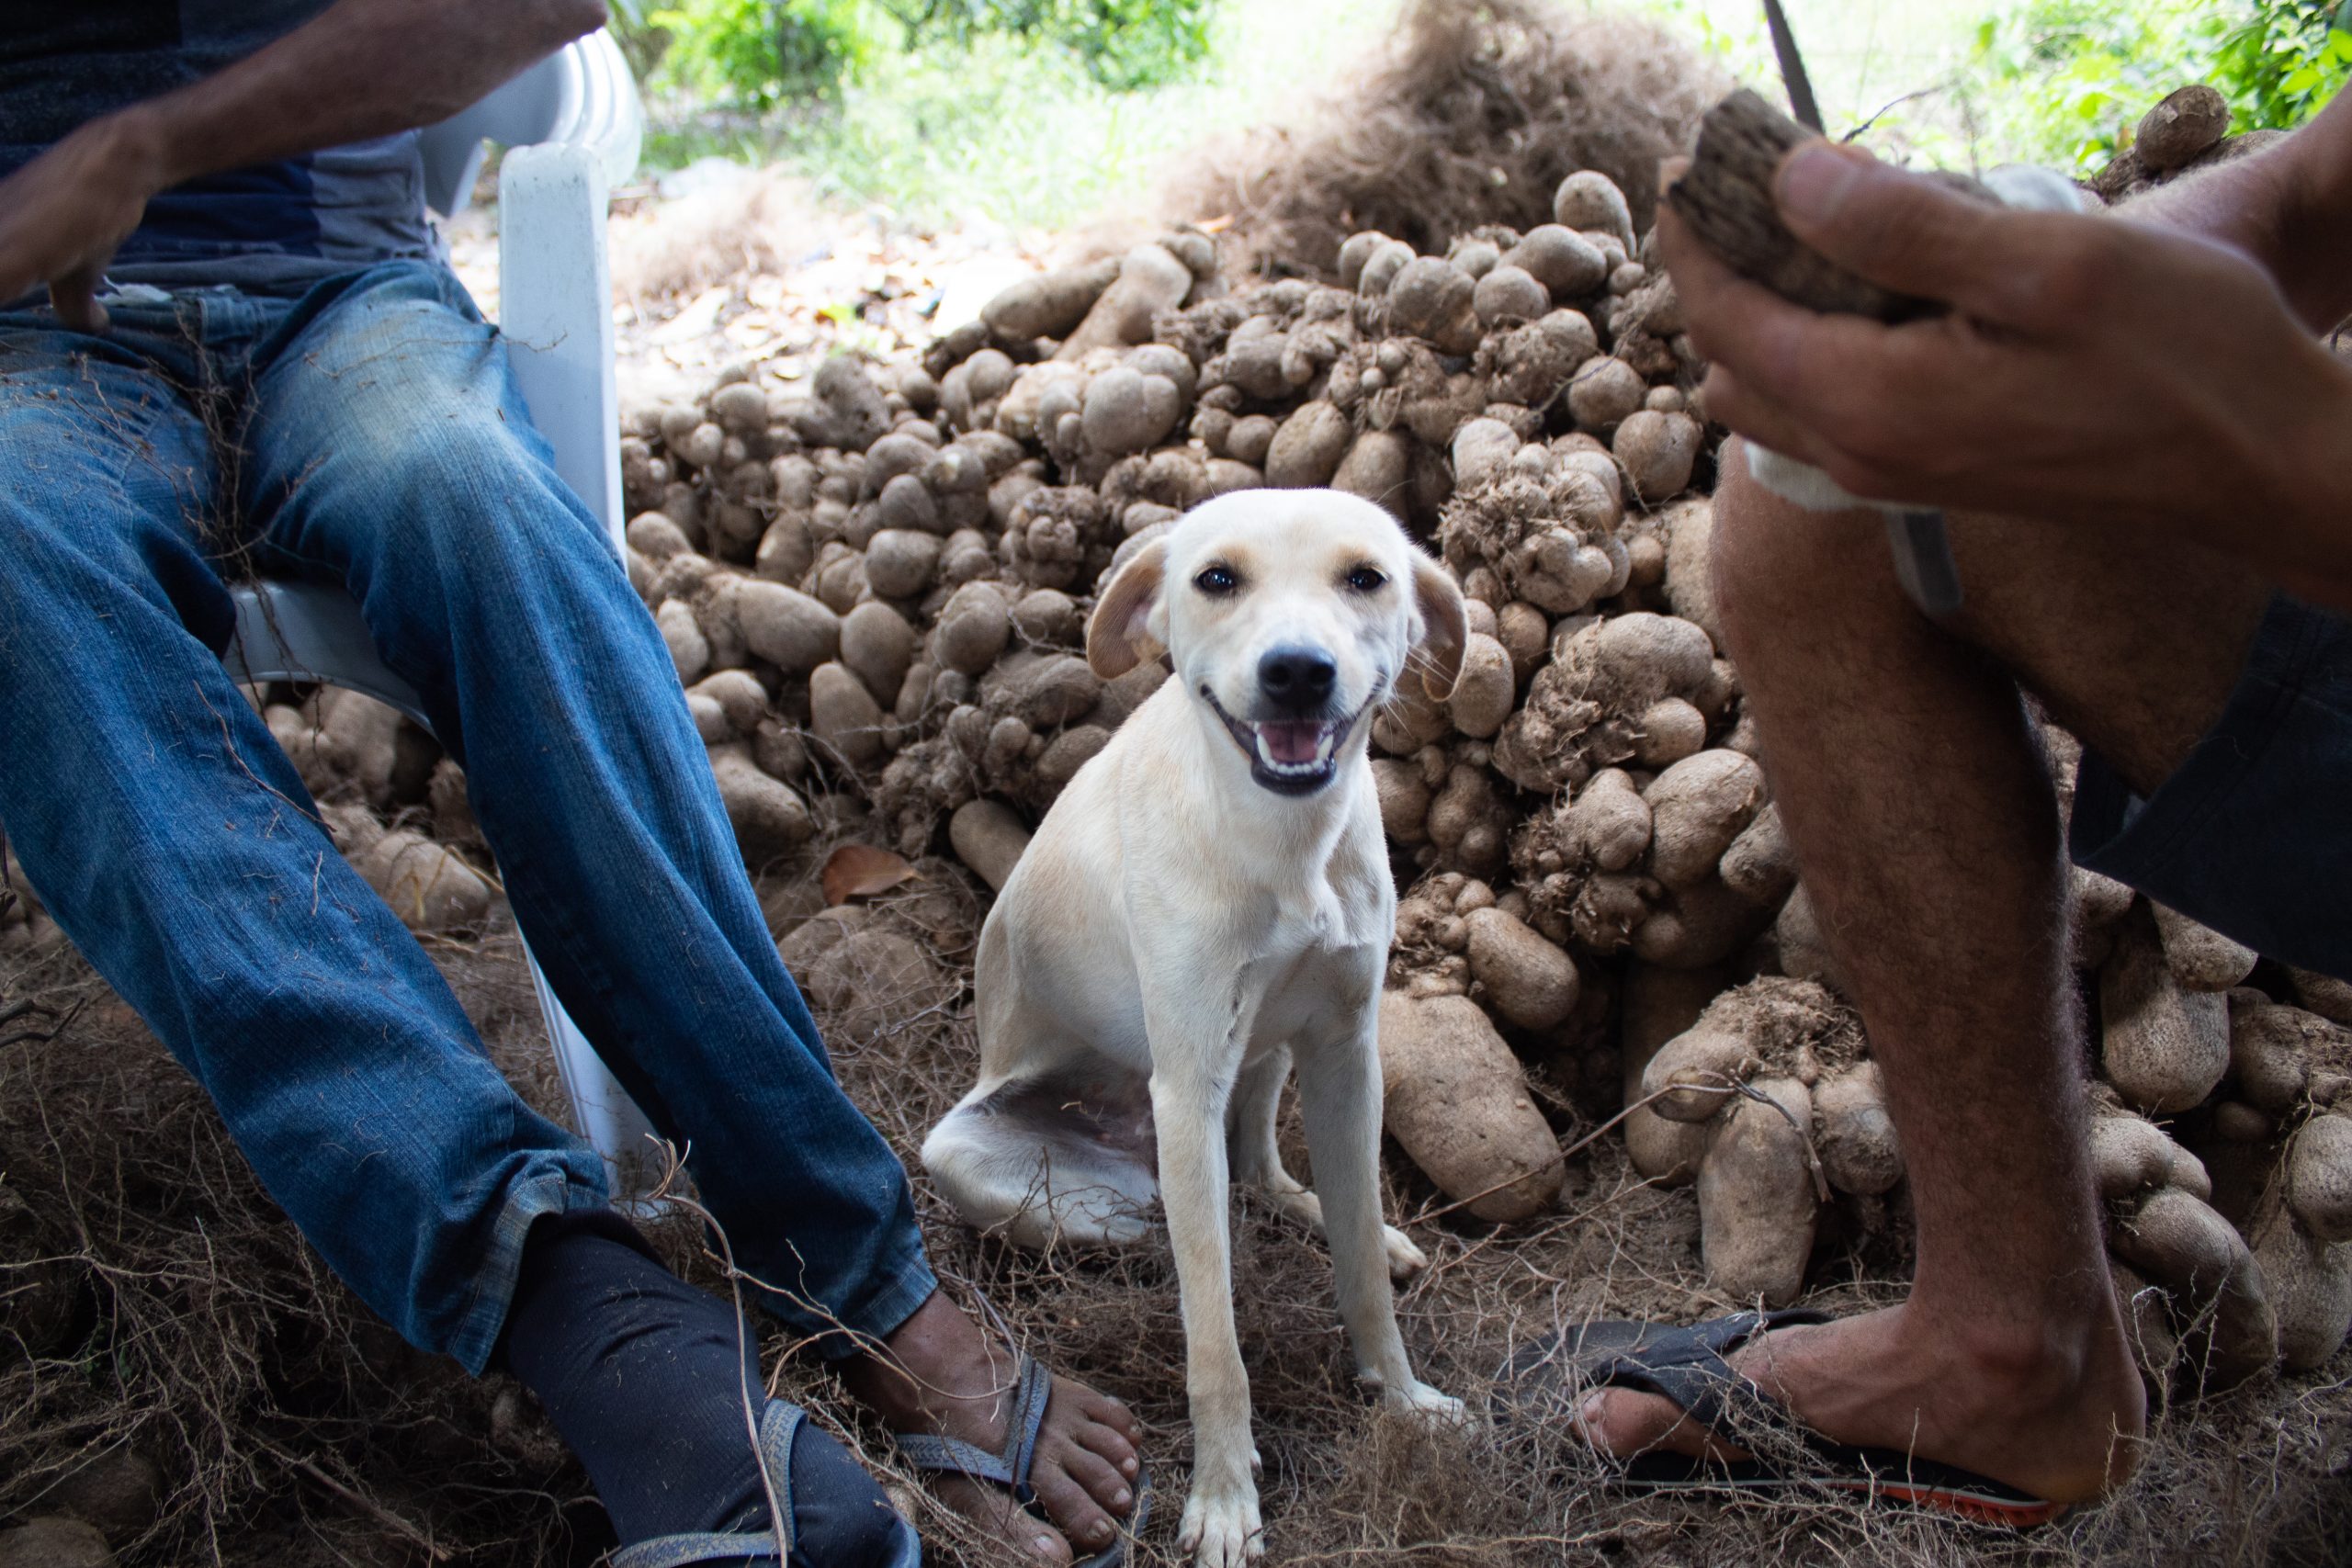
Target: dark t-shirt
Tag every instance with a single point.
(275, 226)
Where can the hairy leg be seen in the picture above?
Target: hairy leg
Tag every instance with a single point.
(1923, 817)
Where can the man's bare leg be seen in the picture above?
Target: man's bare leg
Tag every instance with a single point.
(1923, 817)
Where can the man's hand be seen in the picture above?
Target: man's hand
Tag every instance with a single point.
(63, 215)
(2090, 372)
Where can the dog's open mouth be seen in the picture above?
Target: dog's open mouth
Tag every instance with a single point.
(1289, 756)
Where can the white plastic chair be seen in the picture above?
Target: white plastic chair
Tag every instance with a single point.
(573, 124)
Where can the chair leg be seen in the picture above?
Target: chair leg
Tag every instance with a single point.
(607, 1117)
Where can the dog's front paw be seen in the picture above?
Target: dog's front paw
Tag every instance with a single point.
(1405, 1259)
(1221, 1527)
(1419, 1399)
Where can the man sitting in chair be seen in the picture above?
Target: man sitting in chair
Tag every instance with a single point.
(224, 329)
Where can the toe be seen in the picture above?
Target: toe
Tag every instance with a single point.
(1111, 1447)
(1625, 1423)
(1070, 1505)
(1108, 1410)
(994, 1509)
(1098, 1476)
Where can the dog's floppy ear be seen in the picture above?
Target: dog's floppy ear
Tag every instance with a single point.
(1119, 637)
(1445, 631)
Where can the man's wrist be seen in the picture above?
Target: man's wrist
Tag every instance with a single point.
(139, 148)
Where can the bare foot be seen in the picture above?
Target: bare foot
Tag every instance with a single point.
(2060, 1420)
(943, 1376)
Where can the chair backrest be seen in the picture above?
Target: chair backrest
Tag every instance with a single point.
(582, 95)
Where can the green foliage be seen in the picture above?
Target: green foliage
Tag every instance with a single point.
(1123, 44)
(2064, 81)
(757, 54)
(2288, 60)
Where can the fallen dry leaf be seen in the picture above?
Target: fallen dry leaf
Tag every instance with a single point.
(859, 870)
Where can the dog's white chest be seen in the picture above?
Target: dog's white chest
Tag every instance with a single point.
(1312, 976)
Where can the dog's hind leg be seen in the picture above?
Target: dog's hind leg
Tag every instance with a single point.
(1050, 1161)
(1258, 1160)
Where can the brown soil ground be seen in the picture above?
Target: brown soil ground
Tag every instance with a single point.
(291, 1429)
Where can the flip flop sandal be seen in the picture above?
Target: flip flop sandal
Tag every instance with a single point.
(1009, 1468)
(779, 1425)
(1547, 1379)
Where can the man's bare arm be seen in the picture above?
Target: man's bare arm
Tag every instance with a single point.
(360, 69)
(2288, 207)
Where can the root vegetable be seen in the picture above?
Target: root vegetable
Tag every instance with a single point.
(2310, 1282)
(989, 838)
(789, 628)
(1526, 979)
(1561, 260)
(2318, 1171)
(1484, 688)
(878, 645)
(738, 695)
(689, 650)
(873, 978)
(2147, 1324)
(1854, 1134)
(2272, 1049)
(2180, 1242)
(1051, 305)
(2163, 1048)
(1657, 451)
(1667, 1152)
(900, 563)
(1756, 1203)
(1378, 467)
(972, 629)
(428, 887)
(2183, 125)
(1667, 731)
(2200, 958)
(1150, 280)
(1604, 392)
(1431, 298)
(1508, 294)
(1306, 451)
(1457, 1102)
(1126, 412)
(843, 714)
(769, 820)
(1695, 1073)
(2322, 994)
(1404, 799)
(1761, 865)
(1697, 808)
(1590, 200)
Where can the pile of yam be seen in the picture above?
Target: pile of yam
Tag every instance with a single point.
(873, 587)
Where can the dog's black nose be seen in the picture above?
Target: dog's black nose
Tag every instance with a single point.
(1297, 678)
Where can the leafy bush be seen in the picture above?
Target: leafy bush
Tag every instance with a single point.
(2287, 60)
(758, 54)
(2064, 81)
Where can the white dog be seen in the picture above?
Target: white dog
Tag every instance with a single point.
(1208, 903)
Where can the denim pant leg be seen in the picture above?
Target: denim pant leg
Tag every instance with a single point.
(175, 845)
(391, 451)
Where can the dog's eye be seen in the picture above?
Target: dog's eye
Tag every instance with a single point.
(1364, 579)
(1217, 582)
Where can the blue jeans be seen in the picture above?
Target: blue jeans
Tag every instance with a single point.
(368, 432)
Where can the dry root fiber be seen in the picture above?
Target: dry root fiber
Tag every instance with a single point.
(1476, 111)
